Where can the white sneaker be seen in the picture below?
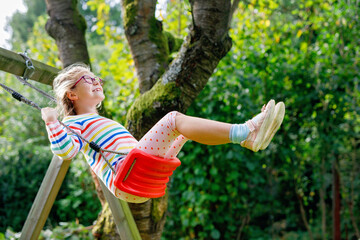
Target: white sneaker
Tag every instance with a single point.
(259, 129)
(279, 114)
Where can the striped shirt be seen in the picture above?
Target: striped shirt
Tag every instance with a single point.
(106, 133)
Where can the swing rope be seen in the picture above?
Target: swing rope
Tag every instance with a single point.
(27, 74)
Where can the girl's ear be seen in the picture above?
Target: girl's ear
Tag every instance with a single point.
(72, 95)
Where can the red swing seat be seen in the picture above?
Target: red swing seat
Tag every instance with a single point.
(145, 175)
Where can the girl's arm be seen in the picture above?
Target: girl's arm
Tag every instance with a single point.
(63, 143)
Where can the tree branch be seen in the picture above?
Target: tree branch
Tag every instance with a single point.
(147, 42)
(233, 8)
(207, 43)
(67, 26)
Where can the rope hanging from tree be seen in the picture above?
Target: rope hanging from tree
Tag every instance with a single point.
(27, 74)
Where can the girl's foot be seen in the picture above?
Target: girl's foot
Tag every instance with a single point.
(279, 114)
(259, 127)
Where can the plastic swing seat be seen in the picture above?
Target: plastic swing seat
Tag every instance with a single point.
(145, 175)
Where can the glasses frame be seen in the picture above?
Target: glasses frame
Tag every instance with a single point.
(93, 79)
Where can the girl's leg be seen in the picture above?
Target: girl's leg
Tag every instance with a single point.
(163, 139)
(204, 131)
(176, 146)
(254, 134)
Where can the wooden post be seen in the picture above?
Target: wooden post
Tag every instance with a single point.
(15, 64)
(121, 212)
(45, 199)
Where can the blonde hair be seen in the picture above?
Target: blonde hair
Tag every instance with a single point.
(63, 83)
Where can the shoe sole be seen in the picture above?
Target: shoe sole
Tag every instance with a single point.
(264, 126)
(279, 114)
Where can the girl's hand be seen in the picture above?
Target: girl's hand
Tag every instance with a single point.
(49, 114)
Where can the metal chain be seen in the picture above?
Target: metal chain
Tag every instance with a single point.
(30, 69)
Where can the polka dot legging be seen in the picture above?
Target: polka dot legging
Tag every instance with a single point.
(161, 140)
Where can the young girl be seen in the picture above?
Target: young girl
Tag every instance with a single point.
(79, 93)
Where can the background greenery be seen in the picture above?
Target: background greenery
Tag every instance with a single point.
(305, 53)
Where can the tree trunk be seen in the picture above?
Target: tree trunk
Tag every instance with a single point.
(146, 40)
(105, 226)
(207, 43)
(336, 201)
(67, 27)
(353, 176)
(189, 72)
(322, 199)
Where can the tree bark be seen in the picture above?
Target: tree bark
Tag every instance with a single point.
(336, 201)
(322, 199)
(351, 201)
(67, 27)
(99, 191)
(189, 72)
(146, 40)
(105, 226)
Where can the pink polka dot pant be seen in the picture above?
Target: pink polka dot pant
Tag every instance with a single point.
(163, 140)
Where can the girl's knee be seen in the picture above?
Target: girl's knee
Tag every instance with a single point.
(178, 119)
(174, 118)
(173, 114)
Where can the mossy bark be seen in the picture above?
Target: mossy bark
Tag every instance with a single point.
(105, 227)
(144, 34)
(152, 105)
(180, 84)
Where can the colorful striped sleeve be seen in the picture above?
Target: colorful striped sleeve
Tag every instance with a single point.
(64, 143)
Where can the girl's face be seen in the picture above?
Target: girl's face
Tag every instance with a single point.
(89, 92)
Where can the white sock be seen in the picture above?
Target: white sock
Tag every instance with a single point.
(239, 132)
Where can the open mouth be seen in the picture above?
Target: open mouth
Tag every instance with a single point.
(97, 90)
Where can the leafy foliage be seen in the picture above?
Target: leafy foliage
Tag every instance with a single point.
(65, 230)
(20, 174)
(303, 53)
(297, 54)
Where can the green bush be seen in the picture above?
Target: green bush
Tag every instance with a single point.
(65, 230)
(77, 197)
(21, 174)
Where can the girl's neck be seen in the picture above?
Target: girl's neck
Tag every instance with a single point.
(85, 110)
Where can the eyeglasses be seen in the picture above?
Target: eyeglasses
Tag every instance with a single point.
(89, 80)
